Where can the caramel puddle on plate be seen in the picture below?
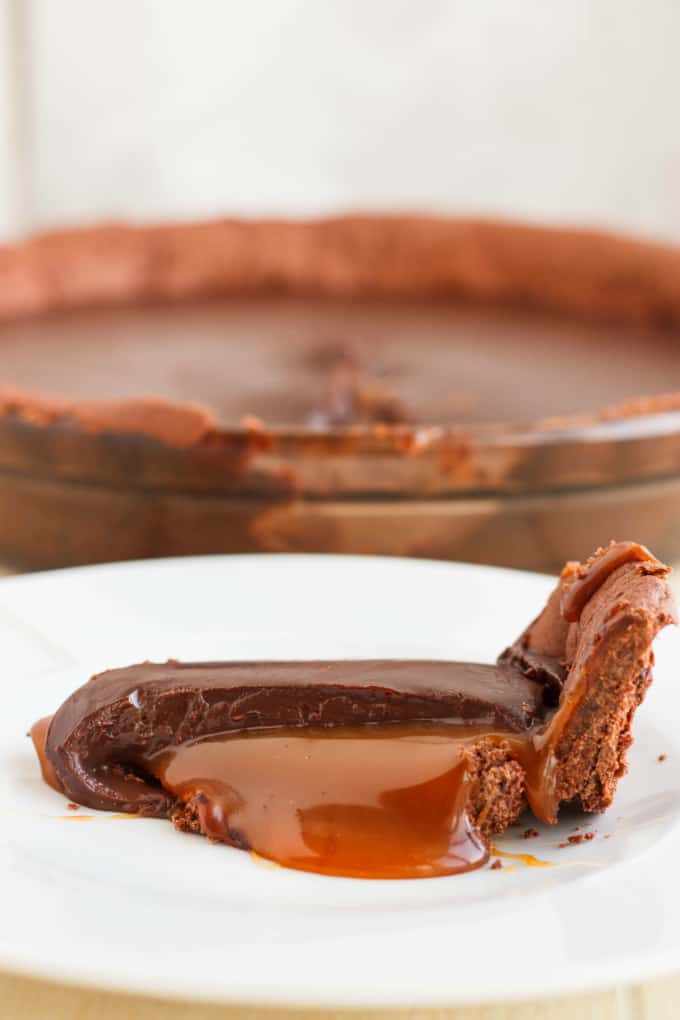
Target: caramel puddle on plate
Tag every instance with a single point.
(93, 818)
(530, 861)
(263, 862)
(527, 859)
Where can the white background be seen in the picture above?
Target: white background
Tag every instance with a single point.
(157, 108)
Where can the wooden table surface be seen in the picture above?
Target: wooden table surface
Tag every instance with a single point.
(28, 999)
(24, 999)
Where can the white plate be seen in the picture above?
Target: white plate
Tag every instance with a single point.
(131, 904)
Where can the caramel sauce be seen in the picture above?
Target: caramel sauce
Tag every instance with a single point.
(596, 571)
(91, 818)
(534, 751)
(326, 811)
(370, 802)
(38, 735)
(316, 840)
(527, 859)
(263, 862)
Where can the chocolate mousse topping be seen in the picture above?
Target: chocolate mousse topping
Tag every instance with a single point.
(378, 768)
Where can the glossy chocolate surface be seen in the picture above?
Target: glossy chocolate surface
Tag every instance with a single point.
(320, 363)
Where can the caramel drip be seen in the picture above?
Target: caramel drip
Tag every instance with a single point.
(534, 752)
(369, 802)
(409, 828)
(533, 749)
(38, 735)
(527, 859)
(227, 780)
(91, 818)
(595, 572)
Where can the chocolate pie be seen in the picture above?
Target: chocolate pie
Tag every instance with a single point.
(401, 385)
(383, 769)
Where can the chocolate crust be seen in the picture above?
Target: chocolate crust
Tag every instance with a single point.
(608, 659)
(579, 271)
(574, 272)
(498, 788)
(613, 658)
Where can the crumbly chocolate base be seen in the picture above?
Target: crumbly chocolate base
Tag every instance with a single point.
(498, 783)
(608, 657)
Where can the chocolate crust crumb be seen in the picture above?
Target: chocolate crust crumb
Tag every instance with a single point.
(531, 833)
(497, 865)
(662, 757)
(575, 840)
(73, 807)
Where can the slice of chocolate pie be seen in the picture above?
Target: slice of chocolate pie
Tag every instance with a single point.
(383, 769)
